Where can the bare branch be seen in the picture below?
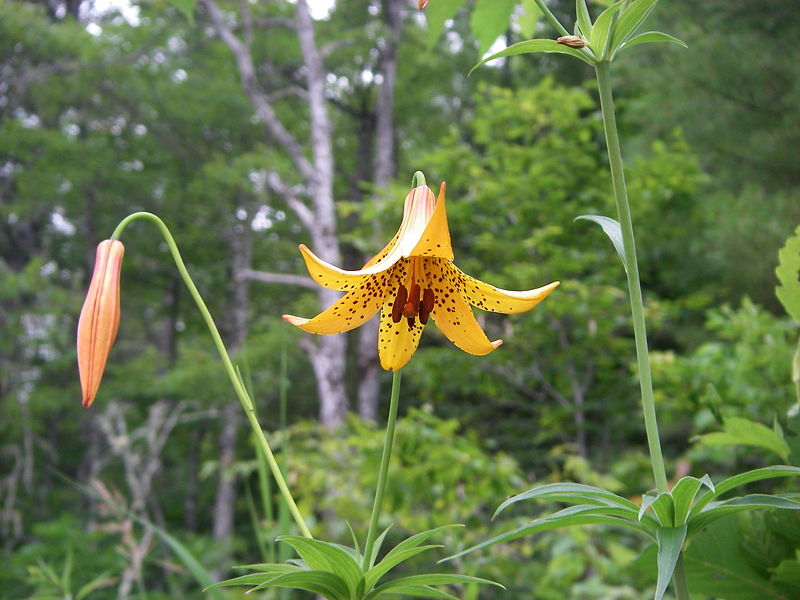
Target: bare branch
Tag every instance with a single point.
(283, 278)
(247, 74)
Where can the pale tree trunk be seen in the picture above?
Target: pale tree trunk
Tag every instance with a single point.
(312, 202)
(383, 170)
(239, 241)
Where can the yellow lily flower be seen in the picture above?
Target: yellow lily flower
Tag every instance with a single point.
(411, 279)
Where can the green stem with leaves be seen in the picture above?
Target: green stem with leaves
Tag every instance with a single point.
(388, 443)
(635, 290)
(233, 374)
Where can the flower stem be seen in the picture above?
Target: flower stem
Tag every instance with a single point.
(551, 17)
(241, 393)
(637, 305)
(632, 268)
(388, 442)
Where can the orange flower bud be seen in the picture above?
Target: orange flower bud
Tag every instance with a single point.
(421, 4)
(99, 321)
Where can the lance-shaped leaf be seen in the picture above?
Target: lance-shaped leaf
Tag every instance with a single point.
(743, 478)
(629, 21)
(323, 556)
(670, 542)
(403, 551)
(585, 514)
(601, 33)
(717, 510)
(532, 46)
(683, 494)
(584, 20)
(323, 583)
(424, 581)
(612, 229)
(651, 37)
(572, 493)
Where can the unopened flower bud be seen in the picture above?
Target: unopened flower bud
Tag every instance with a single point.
(99, 320)
(572, 41)
(421, 4)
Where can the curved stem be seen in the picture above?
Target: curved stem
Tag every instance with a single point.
(241, 393)
(551, 17)
(388, 442)
(632, 268)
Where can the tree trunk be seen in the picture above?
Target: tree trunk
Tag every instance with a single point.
(317, 212)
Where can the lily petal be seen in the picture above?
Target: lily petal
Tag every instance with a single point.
(435, 241)
(453, 316)
(397, 342)
(493, 299)
(329, 276)
(354, 308)
(460, 327)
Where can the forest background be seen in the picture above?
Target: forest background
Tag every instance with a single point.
(217, 118)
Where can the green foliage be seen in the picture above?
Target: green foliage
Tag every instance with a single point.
(788, 273)
(678, 514)
(335, 572)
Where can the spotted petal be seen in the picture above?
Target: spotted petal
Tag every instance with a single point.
(354, 308)
(329, 276)
(397, 342)
(453, 316)
(493, 299)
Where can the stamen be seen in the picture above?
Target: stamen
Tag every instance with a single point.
(411, 308)
(399, 304)
(425, 309)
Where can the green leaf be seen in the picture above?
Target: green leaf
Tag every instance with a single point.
(717, 566)
(664, 508)
(629, 21)
(670, 541)
(601, 33)
(683, 494)
(437, 13)
(376, 546)
(788, 273)
(392, 560)
(584, 20)
(428, 580)
(650, 37)
(571, 492)
(744, 432)
(416, 539)
(612, 230)
(254, 579)
(323, 556)
(717, 510)
(568, 517)
(532, 46)
(323, 583)
(418, 590)
(490, 20)
(743, 478)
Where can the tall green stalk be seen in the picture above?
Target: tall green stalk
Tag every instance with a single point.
(241, 393)
(388, 443)
(635, 289)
